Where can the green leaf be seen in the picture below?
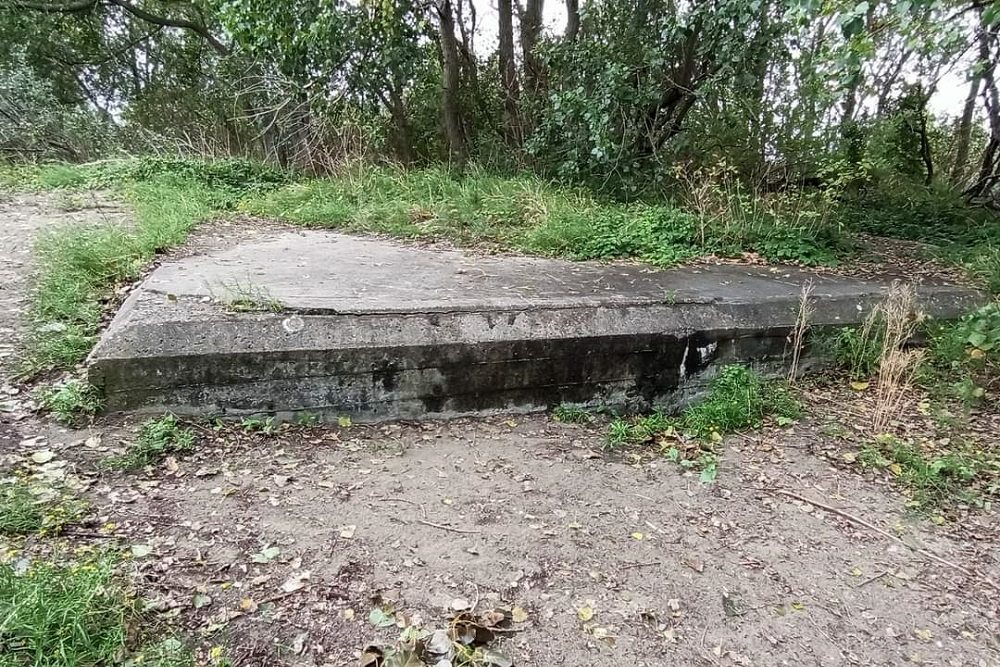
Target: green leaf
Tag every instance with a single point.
(709, 474)
(380, 619)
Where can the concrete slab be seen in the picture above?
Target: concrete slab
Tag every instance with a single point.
(376, 329)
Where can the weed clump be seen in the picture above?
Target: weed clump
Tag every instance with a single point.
(71, 400)
(568, 413)
(966, 473)
(738, 398)
(968, 352)
(158, 438)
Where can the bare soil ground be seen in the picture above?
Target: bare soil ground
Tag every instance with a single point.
(616, 560)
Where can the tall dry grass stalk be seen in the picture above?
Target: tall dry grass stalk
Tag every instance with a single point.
(897, 364)
(798, 334)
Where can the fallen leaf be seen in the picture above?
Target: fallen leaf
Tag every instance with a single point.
(849, 457)
(201, 600)
(439, 644)
(372, 656)
(859, 386)
(856, 572)
(266, 556)
(43, 456)
(585, 613)
(141, 550)
(923, 634)
(295, 582)
(381, 619)
(518, 615)
(491, 658)
(248, 605)
(347, 532)
(299, 643)
(637, 535)
(403, 658)
(695, 564)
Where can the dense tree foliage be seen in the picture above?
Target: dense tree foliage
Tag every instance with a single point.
(632, 98)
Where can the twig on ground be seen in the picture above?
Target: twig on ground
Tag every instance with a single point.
(861, 522)
(629, 566)
(871, 579)
(454, 530)
(388, 499)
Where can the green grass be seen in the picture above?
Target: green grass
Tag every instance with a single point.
(527, 214)
(63, 616)
(20, 511)
(157, 439)
(965, 473)
(738, 398)
(572, 414)
(80, 265)
(24, 511)
(70, 400)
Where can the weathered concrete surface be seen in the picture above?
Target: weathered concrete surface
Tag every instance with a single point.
(374, 329)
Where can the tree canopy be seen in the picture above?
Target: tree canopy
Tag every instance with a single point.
(628, 96)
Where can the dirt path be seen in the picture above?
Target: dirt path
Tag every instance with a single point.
(614, 563)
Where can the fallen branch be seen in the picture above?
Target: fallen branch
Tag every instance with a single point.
(861, 522)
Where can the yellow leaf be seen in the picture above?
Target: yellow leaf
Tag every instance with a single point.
(923, 634)
(976, 353)
(849, 457)
(518, 615)
(938, 520)
(716, 436)
(215, 653)
(856, 572)
(797, 606)
(896, 469)
(247, 604)
(585, 613)
(859, 386)
(637, 535)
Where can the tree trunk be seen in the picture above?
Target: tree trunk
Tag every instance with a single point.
(508, 71)
(959, 168)
(451, 81)
(531, 30)
(572, 20)
(989, 166)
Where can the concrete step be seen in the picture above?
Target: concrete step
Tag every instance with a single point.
(336, 325)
